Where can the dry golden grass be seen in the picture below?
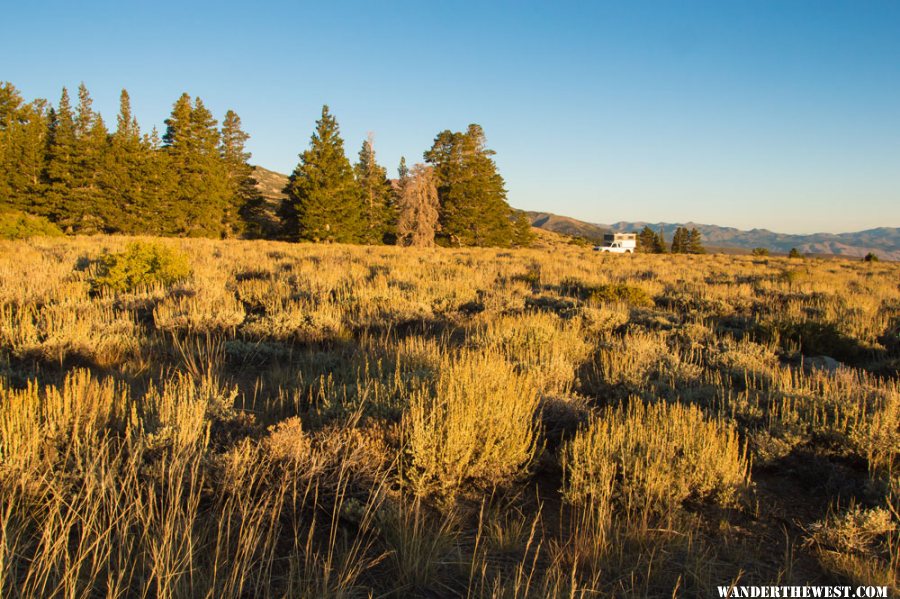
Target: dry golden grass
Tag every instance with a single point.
(654, 457)
(336, 421)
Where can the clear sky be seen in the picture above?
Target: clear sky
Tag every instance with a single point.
(780, 115)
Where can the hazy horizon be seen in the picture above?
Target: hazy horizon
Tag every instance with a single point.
(782, 116)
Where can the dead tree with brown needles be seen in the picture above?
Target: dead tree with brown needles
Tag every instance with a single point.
(418, 208)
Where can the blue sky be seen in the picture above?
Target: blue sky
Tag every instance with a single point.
(779, 115)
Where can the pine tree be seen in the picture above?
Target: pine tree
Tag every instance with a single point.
(84, 116)
(88, 207)
(417, 207)
(154, 177)
(472, 194)
(324, 198)
(178, 147)
(96, 207)
(375, 190)
(677, 241)
(30, 142)
(199, 191)
(23, 144)
(647, 241)
(211, 200)
(522, 235)
(681, 241)
(239, 175)
(397, 186)
(661, 247)
(10, 103)
(128, 191)
(60, 167)
(10, 120)
(694, 243)
(178, 125)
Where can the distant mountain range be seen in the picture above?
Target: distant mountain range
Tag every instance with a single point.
(883, 241)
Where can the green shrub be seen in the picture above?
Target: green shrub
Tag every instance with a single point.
(19, 225)
(760, 251)
(871, 257)
(610, 292)
(790, 277)
(795, 253)
(622, 293)
(141, 264)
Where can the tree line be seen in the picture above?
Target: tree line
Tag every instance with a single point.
(684, 241)
(64, 164)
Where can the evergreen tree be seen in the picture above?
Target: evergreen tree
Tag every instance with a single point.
(239, 175)
(647, 241)
(30, 143)
(522, 235)
(95, 206)
(10, 115)
(418, 206)
(10, 103)
(23, 144)
(324, 198)
(199, 191)
(177, 144)
(178, 125)
(129, 192)
(397, 186)
(60, 166)
(87, 206)
(84, 116)
(154, 179)
(679, 241)
(472, 194)
(661, 247)
(375, 190)
(694, 242)
(211, 200)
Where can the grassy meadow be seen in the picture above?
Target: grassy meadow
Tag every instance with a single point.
(298, 420)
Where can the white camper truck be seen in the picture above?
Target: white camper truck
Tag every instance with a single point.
(618, 243)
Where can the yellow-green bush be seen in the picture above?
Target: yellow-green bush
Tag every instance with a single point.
(19, 225)
(142, 264)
